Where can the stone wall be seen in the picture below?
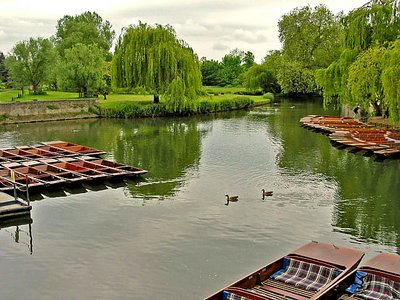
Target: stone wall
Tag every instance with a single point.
(39, 111)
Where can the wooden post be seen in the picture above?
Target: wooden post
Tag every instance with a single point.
(15, 184)
(27, 188)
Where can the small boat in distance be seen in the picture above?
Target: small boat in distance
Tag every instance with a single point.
(304, 273)
(378, 278)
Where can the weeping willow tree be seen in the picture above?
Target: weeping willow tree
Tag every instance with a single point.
(364, 84)
(391, 80)
(153, 58)
(375, 24)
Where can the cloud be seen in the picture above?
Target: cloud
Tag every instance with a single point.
(220, 46)
(210, 27)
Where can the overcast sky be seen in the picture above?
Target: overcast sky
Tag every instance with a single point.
(211, 27)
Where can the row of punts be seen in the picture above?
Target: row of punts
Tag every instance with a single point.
(57, 163)
(320, 271)
(360, 137)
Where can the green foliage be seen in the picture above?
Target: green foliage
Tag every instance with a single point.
(364, 85)
(211, 71)
(87, 28)
(3, 69)
(261, 77)
(130, 109)
(152, 58)
(352, 77)
(333, 80)
(177, 98)
(269, 96)
(232, 68)
(310, 36)
(311, 40)
(391, 80)
(375, 23)
(30, 62)
(248, 60)
(294, 78)
(81, 69)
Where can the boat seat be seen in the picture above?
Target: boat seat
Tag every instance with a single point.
(275, 285)
(237, 293)
(305, 275)
(372, 286)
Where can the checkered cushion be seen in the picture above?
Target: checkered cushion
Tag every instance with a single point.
(378, 287)
(305, 275)
(232, 296)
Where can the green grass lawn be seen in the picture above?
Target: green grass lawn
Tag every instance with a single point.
(6, 96)
(114, 99)
(216, 94)
(223, 90)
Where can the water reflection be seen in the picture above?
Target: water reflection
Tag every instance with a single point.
(367, 196)
(20, 230)
(171, 231)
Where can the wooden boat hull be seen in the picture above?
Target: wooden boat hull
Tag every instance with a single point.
(257, 285)
(83, 150)
(384, 264)
(107, 163)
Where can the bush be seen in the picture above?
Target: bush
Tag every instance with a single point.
(269, 96)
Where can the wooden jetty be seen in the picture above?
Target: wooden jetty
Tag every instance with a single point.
(12, 208)
(360, 137)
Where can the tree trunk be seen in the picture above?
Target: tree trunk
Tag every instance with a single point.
(156, 99)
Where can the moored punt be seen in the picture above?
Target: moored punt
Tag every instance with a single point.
(378, 278)
(357, 136)
(84, 150)
(67, 176)
(84, 171)
(38, 151)
(19, 179)
(128, 169)
(304, 273)
(57, 163)
(40, 175)
(110, 171)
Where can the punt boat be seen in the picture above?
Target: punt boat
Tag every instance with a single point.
(91, 174)
(108, 163)
(41, 175)
(38, 151)
(304, 273)
(110, 171)
(378, 278)
(66, 175)
(74, 148)
(20, 180)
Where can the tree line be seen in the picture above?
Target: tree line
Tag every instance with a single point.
(353, 59)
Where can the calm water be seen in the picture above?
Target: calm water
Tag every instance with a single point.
(169, 235)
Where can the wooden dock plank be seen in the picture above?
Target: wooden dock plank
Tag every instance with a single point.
(9, 207)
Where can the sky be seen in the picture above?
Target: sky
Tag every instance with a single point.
(211, 27)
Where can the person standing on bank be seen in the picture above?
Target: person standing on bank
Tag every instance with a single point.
(356, 111)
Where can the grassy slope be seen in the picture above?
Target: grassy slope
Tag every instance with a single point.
(214, 94)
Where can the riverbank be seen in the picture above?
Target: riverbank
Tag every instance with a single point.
(26, 110)
(39, 111)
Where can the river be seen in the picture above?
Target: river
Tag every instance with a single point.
(169, 234)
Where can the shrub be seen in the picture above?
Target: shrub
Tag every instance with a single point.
(269, 96)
